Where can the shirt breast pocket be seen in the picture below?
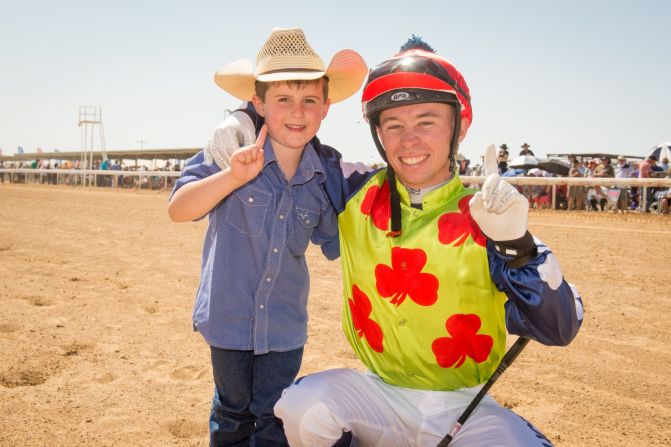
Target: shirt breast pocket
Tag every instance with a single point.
(247, 210)
(303, 224)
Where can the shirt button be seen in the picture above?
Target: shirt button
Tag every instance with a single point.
(307, 221)
(416, 213)
(401, 322)
(275, 250)
(268, 279)
(261, 306)
(250, 200)
(281, 216)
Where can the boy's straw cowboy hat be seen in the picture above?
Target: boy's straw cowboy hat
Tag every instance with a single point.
(287, 55)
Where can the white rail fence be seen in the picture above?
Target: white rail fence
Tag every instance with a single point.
(92, 177)
(165, 179)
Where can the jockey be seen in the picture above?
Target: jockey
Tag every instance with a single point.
(434, 276)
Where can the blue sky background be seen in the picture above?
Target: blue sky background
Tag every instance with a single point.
(570, 76)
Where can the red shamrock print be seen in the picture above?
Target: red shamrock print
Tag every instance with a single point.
(360, 307)
(458, 226)
(465, 342)
(376, 204)
(405, 278)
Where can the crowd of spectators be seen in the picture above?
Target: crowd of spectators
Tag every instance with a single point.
(589, 198)
(584, 198)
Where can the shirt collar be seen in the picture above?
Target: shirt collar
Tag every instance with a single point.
(437, 197)
(309, 166)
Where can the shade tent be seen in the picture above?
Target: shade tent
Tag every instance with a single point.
(590, 155)
(661, 151)
(554, 166)
(524, 162)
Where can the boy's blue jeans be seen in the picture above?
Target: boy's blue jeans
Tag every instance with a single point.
(247, 386)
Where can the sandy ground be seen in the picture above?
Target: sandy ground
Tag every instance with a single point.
(96, 347)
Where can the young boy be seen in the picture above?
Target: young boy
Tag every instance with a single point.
(264, 209)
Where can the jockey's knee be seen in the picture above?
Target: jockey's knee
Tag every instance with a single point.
(307, 417)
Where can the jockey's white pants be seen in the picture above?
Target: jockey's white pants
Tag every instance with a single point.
(320, 407)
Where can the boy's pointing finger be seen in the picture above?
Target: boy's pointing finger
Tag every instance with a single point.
(261, 139)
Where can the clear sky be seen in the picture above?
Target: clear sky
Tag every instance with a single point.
(568, 76)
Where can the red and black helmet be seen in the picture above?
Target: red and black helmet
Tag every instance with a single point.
(414, 76)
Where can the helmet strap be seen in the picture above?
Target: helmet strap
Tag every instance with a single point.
(454, 144)
(395, 203)
(394, 196)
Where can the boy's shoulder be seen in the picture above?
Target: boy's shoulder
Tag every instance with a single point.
(198, 158)
(197, 167)
(324, 151)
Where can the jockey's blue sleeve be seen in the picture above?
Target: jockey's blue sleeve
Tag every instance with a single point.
(541, 304)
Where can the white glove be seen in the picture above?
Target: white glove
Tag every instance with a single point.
(499, 209)
(234, 132)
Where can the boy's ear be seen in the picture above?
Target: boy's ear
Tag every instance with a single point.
(327, 105)
(258, 105)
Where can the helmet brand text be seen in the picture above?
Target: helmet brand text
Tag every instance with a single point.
(400, 96)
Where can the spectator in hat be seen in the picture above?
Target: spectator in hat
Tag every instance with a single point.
(590, 168)
(664, 164)
(464, 165)
(603, 169)
(525, 150)
(644, 170)
(502, 158)
(503, 152)
(576, 193)
(623, 170)
(589, 173)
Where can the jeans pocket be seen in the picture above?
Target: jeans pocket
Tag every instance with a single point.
(247, 210)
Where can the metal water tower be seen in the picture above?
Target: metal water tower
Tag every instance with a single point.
(90, 121)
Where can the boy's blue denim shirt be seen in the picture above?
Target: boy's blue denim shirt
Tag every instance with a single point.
(254, 279)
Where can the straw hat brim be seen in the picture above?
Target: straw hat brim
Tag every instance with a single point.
(346, 73)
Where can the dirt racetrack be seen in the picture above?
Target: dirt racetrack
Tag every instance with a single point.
(96, 347)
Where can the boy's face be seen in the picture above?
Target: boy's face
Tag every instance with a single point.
(293, 114)
(416, 139)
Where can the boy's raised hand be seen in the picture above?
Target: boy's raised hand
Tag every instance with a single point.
(247, 162)
(499, 209)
